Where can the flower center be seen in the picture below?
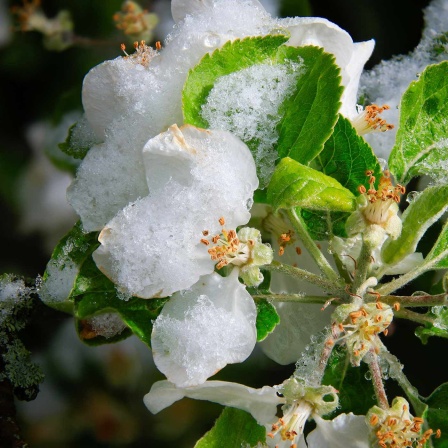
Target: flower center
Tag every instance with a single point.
(228, 249)
(360, 327)
(377, 211)
(143, 53)
(369, 120)
(290, 426)
(400, 429)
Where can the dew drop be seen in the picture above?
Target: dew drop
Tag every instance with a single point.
(368, 376)
(412, 196)
(212, 40)
(383, 164)
(278, 31)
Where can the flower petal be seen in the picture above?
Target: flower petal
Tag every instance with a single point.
(101, 189)
(202, 329)
(261, 403)
(344, 431)
(297, 321)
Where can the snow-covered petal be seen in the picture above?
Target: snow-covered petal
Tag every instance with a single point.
(344, 431)
(352, 74)
(204, 328)
(110, 177)
(195, 178)
(261, 403)
(117, 89)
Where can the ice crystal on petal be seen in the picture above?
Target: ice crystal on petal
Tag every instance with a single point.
(246, 103)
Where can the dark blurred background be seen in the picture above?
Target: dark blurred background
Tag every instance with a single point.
(101, 405)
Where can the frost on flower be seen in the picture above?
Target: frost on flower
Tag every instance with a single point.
(152, 247)
(298, 404)
(202, 329)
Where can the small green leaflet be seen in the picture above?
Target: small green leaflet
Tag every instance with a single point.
(347, 156)
(267, 316)
(296, 185)
(310, 114)
(422, 212)
(68, 255)
(233, 429)
(267, 319)
(421, 146)
(71, 147)
(437, 414)
(95, 294)
(323, 225)
(233, 56)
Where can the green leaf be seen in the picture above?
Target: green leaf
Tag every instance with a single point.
(267, 316)
(421, 146)
(296, 185)
(95, 294)
(347, 156)
(438, 257)
(267, 319)
(323, 225)
(356, 393)
(310, 114)
(66, 261)
(437, 414)
(72, 146)
(234, 428)
(423, 211)
(232, 57)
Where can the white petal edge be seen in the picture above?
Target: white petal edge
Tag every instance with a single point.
(260, 403)
(344, 431)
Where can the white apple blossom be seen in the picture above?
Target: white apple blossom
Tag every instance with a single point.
(345, 431)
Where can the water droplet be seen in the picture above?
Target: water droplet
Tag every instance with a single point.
(412, 195)
(419, 293)
(278, 31)
(212, 40)
(368, 376)
(383, 164)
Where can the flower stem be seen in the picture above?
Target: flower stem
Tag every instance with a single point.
(362, 267)
(377, 380)
(311, 246)
(333, 287)
(417, 301)
(296, 298)
(413, 316)
(406, 278)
